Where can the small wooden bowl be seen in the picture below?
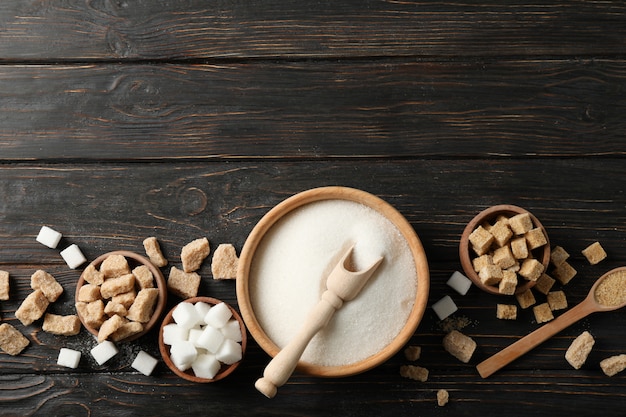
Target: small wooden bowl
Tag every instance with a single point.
(133, 260)
(334, 193)
(189, 375)
(489, 215)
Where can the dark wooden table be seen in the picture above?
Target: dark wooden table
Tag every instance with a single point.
(183, 119)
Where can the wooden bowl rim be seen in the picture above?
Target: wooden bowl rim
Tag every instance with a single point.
(161, 285)
(486, 215)
(335, 193)
(188, 375)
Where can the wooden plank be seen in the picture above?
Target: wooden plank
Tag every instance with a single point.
(301, 110)
(105, 29)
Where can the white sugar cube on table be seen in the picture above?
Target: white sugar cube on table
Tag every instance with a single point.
(104, 351)
(459, 282)
(218, 315)
(49, 237)
(144, 363)
(73, 256)
(206, 366)
(186, 315)
(444, 307)
(69, 358)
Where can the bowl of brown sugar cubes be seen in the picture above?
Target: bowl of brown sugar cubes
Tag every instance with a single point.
(120, 296)
(504, 250)
(202, 339)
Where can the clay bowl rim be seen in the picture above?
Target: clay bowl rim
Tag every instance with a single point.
(188, 375)
(490, 214)
(334, 193)
(160, 285)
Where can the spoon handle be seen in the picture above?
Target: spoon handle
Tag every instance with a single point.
(534, 339)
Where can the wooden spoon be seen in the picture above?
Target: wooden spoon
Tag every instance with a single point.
(341, 285)
(589, 305)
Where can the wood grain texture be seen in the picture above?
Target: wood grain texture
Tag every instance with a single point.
(309, 110)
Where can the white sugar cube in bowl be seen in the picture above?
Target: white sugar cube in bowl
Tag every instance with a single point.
(202, 339)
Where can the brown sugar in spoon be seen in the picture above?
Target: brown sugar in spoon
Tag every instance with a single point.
(608, 293)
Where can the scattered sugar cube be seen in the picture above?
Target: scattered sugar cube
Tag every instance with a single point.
(41, 280)
(557, 300)
(442, 397)
(69, 358)
(414, 372)
(526, 299)
(210, 339)
(564, 273)
(173, 333)
(613, 365)
(32, 308)
(459, 282)
(218, 315)
(193, 254)
(229, 352)
(506, 312)
(544, 283)
(558, 255)
(4, 285)
(11, 340)
(232, 330)
(186, 315)
(579, 350)
(206, 366)
(183, 354)
(444, 307)
(183, 284)
(412, 353)
(459, 345)
(73, 256)
(104, 351)
(543, 313)
(49, 237)
(153, 250)
(144, 363)
(594, 253)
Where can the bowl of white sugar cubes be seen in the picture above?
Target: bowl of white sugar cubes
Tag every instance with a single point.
(286, 260)
(202, 339)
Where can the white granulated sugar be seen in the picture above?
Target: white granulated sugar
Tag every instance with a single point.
(293, 260)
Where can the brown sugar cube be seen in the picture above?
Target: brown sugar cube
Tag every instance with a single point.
(414, 372)
(490, 275)
(194, 253)
(412, 353)
(519, 248)
(506, 312)
(126, 330)
(557, 300)
(520, 223)
(482, 261)
(4, 285)
(543, 313)
(481, 240)
(577, 353)
(153, 250)
(594, 253)
(183, 284)
(92, 275)
(88, 293)
(503, 257)
(112, 308)
(144, 276)
(544, 283)
(501, 233)
(558, 255)
(91, 313)
(459, 345)
(126, 298)
(564, 273)
(613, 365)
(508, 284)
(61, 325)
(41, 280)
(109, 326)
(119, 285)
(224, 262)
(142, 308)
(515, 268)
(531, 269)
(535, 238)
(32, 308)
(442, 397)
(526, 299)
(114, 266)
(11, 340)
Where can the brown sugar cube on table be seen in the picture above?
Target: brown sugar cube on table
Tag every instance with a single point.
(459, 345)
(41, 280)
(564, 273)
(544, 283)
(526, 299)
(4, 285)
(32, 308)
(557, 300)
(558, 255)
(11, 340)
(594, 253)
(613, 365)
(153, 250)
(414, 372)
(194, 253)
(543, 313)
(412, 353)
(183, 284)
(61, 325)
(224, 262)
(506, 312)
(578, 351)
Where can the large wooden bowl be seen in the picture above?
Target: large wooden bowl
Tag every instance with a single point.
(334, 193)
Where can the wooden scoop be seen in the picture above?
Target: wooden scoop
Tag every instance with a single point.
(341, 285)
(589, 305)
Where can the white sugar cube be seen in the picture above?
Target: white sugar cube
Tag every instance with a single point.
(210, 339)
(49, 237)
(218, 315)
(194, 334)
(73, 256)
(186, 315)
(444, 307)
(69, 358)
(183, 354)
(459, 282)
(231, 330)
(144, 363)
(206, 366)
(173, 333)
(104, 351)
(229, 352)
(202, 308)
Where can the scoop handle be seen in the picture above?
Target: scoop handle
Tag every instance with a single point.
(278, 371)
(534, 339)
